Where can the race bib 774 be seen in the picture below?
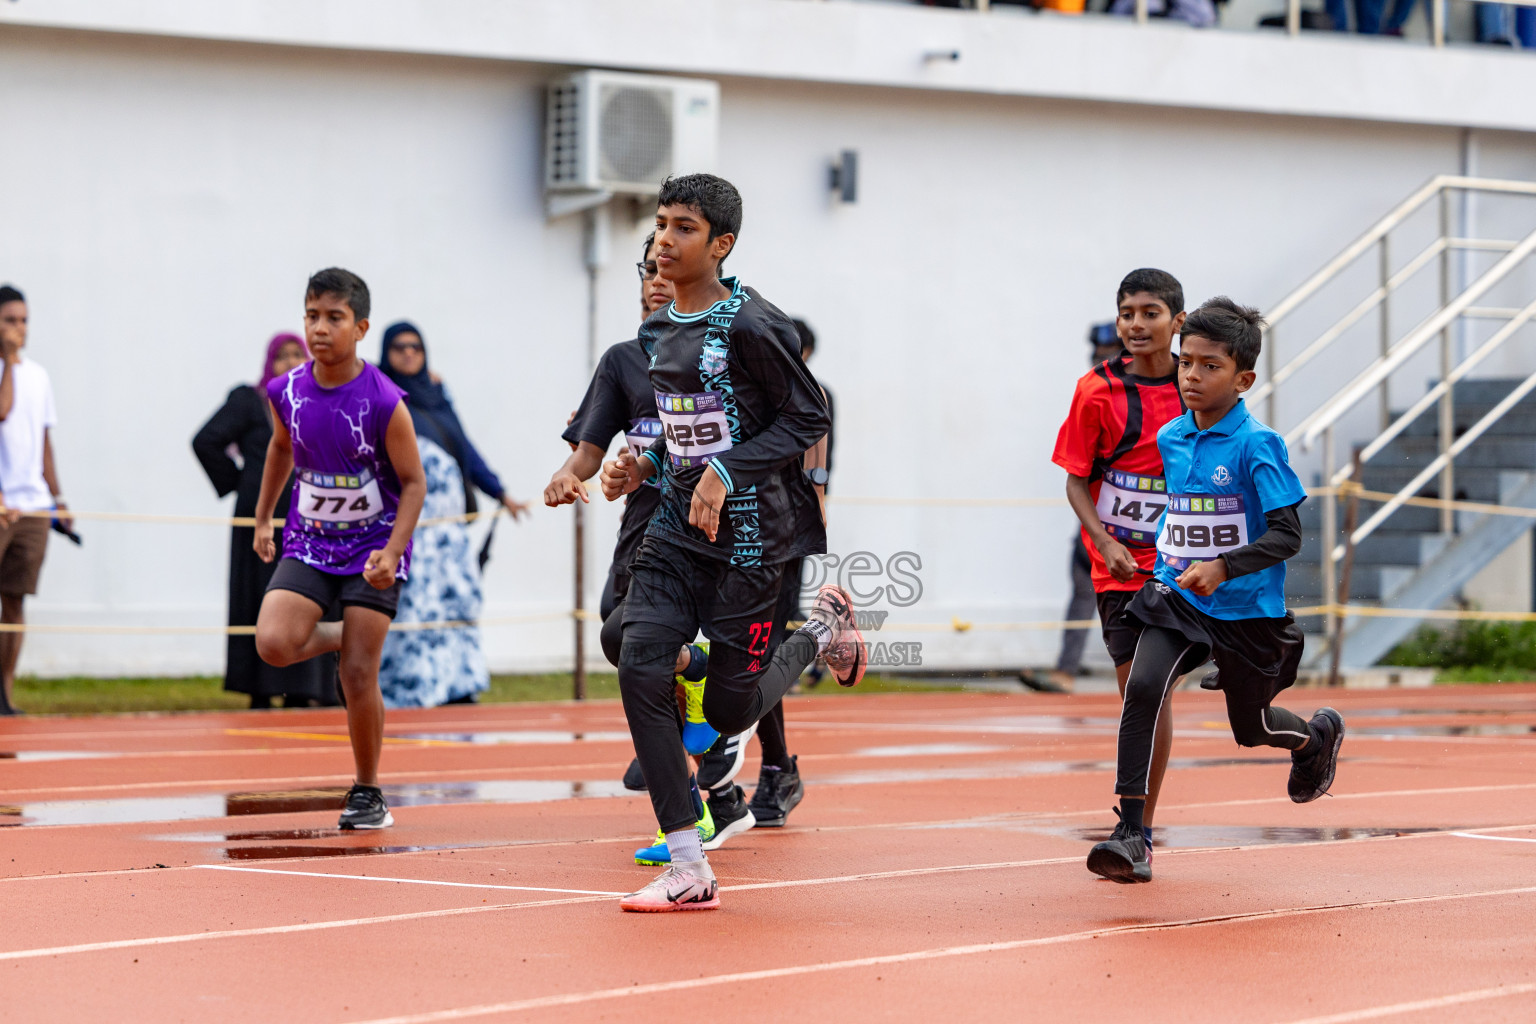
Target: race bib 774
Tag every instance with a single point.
(337, 501)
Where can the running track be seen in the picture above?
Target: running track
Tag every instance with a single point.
(177, 869)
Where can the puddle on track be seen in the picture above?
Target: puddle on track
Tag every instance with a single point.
(132, 810)
(1175, 837)
(53, 755)
(523, 736)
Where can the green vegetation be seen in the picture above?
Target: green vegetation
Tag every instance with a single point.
(1472, 652)
(80, 695)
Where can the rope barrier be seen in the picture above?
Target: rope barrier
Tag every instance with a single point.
(176, 520)
(955, 625)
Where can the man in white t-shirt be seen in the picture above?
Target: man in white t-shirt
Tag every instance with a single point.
(28, 481)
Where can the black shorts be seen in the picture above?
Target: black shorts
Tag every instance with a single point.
(1254, 657)
(1119, 635)
(328, 589)
(734, 606)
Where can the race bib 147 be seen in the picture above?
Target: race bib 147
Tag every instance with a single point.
(1199, 527)
(694, 426)
(1129, 506)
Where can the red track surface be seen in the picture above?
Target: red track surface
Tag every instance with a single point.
(934, 872)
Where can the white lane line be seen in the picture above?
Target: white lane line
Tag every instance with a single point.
(1474, 996)
(1502, 839)
(408, 881)
(282, 929)
(577, 998)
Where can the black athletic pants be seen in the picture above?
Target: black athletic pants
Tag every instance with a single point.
(1162, 656)
(674, 593)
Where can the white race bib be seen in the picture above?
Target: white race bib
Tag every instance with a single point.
(1129, 506)
(330, 501)
(639, 437)
(694, 426)
(1199, 527)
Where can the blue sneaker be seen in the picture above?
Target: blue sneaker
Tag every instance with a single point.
(659, 855)
(698, 734)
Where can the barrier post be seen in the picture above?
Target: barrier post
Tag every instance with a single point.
(1351, 516)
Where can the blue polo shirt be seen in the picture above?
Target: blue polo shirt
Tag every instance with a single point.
(1221, 481)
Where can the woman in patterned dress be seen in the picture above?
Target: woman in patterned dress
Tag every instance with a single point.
(428, 667)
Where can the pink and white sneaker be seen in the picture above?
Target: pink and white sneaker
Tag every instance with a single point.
(675, 889)
(845, 654)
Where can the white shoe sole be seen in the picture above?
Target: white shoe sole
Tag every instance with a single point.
(389, 819)
(735, 828)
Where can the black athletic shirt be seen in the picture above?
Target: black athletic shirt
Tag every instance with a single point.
(620, 400)
(731, 389)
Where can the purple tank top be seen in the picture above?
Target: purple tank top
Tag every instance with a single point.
(345, 492)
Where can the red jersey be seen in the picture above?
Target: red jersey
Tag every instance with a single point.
(1110, 437)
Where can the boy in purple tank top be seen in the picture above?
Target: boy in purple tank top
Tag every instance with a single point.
(356, 498)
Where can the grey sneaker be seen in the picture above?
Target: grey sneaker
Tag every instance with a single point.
(365, 808)
(845, 654)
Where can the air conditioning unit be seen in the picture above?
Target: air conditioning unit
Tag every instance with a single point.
(622, 134)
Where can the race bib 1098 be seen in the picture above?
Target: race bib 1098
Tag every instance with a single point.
(694, 426)
(333, 502)
(1129, 506)
(639, 437)
(1199, 527)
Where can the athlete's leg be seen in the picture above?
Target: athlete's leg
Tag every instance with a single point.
(363, 631)
(612, 635)
(647, 660)
(11, 613)
(1162, 746)
(770, 733)
(1258, 723)
(1162, 655)
(289, 630)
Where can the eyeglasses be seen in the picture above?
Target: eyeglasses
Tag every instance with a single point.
(406, 346)
(646, 269)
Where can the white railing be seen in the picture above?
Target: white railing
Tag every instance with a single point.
(1324, 416)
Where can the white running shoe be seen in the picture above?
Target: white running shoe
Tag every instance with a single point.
(675, 889)
(845, 654)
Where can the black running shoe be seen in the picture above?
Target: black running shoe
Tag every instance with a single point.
(731, 814)
(1124, 856)
(778, 792)
(1312, 770)
(722, 761)
(634, 778)
(1211, 680)
(365, 808)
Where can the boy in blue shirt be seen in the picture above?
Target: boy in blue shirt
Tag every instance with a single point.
(1218, 589)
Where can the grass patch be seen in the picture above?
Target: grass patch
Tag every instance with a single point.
(82, 695)
(1472, 652)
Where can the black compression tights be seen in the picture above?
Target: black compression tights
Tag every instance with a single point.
(647, 658)
(1163, 655)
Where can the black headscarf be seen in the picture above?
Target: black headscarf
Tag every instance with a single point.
(431, 411)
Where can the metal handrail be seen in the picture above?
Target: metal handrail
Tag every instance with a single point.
(1326, 415)
(1430, 397)
(1440, 461)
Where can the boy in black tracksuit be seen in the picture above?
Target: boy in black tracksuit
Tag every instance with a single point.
(738, 408)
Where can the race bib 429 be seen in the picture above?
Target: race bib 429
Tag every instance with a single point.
(694, 426)
(1200, 527)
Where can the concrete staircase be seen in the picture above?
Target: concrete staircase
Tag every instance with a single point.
(1408, 562)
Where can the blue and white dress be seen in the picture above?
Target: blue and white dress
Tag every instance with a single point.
(424, 668)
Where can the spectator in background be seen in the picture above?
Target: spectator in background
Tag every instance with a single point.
(1103, 343)
(232, 447)
(1199, 13)
(28, 481)
(425, 668)
(1504, 24)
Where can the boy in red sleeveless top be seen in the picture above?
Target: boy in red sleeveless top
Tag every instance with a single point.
(1108, 446)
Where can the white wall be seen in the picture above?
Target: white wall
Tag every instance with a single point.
(165, 200)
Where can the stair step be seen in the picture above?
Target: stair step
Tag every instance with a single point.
(1477, 483)
(1384, 547)
(1303, 582)
(1487, 452)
